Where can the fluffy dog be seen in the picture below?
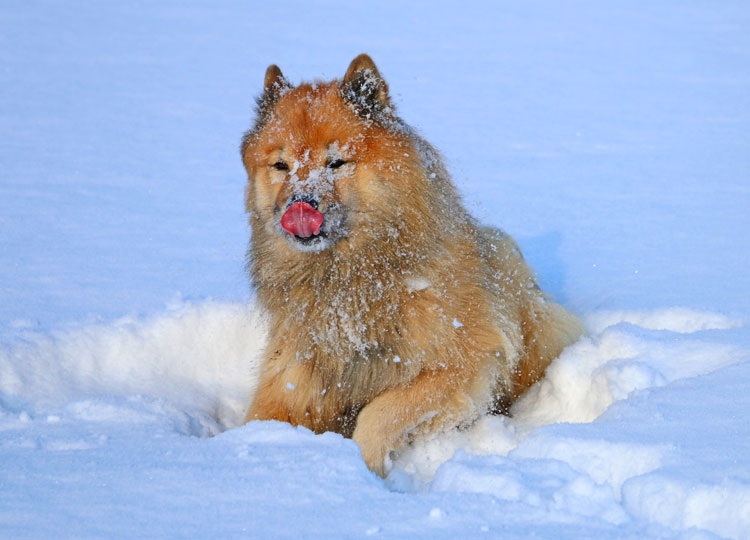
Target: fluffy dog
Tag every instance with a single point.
(393, 314)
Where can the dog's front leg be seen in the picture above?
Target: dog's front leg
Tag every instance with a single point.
(284, 389)
(434, 399)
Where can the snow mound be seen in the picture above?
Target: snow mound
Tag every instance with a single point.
(602, 440)
(682, 320)
(680, 504)
(545, 487)
(199, 357)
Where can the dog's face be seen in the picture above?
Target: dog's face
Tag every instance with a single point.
(306, 168)
(320, 169)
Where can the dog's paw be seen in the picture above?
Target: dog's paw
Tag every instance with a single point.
(374, 442)
(374, 457)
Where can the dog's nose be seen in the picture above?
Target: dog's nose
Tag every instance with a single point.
(303, 198)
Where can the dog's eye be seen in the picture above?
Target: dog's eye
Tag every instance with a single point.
(280, 166)
(335, 164)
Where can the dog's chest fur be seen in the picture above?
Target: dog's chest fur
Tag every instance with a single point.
(345, 318)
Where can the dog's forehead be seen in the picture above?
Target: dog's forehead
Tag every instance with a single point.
(314, 117)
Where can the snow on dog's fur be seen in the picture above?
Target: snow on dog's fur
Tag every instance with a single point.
(393, 314)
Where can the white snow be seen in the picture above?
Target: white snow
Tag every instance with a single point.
(416, 283)
(198, 357)
(609, 139)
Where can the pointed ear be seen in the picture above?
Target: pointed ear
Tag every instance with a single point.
(274, 80)
(274, 86)
(364, 87)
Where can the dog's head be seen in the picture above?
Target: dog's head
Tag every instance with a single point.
(326, 160)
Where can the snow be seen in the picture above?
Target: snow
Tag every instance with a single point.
(609, 140)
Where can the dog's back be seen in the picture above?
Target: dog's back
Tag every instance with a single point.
(545, 328)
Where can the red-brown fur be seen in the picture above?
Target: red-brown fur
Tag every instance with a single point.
(409, 318)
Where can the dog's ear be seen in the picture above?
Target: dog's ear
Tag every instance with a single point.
(364, 87)
(274, 86)
(275, 80)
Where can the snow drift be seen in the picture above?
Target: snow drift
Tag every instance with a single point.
(192, 370)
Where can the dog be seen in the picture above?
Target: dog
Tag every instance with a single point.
(392, 313)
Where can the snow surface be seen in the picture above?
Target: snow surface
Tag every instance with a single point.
(610, 139)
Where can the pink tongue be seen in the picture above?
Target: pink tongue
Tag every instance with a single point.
(302, 220)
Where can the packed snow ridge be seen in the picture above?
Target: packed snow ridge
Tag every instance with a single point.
(193, 369)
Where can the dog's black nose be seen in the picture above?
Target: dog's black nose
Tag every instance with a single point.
(302, 198)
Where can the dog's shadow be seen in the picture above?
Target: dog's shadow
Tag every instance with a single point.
(543, 254)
